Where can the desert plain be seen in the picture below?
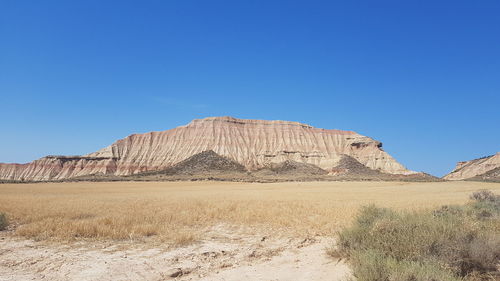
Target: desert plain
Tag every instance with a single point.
(195, 230)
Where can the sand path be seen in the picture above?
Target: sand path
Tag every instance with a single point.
(223, 255)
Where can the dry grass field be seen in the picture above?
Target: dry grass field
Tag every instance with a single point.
(180, 212)
(229, 231)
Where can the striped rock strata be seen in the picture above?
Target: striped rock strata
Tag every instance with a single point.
(473, 168)
(252, 143)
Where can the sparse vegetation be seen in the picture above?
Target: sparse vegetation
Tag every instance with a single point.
(3, 222)
(450, 243)
(180, 212)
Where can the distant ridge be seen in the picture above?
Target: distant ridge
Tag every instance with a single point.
(480, 168)
(254, 144)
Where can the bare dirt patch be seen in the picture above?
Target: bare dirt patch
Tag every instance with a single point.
(225, 254)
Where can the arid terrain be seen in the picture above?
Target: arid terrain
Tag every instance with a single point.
(198, 230)
(252, 144)
(250, 141)
(481, 169)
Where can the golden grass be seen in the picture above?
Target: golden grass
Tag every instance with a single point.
(179, 212)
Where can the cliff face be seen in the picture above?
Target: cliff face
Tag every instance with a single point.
(252, 143)
(58, 167)
(474, 168)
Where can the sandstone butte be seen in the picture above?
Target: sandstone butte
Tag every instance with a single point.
(253, 143)
(473, 168)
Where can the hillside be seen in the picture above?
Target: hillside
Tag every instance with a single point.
(254, 144)
(478, 169)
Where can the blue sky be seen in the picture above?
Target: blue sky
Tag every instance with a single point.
(423, 77)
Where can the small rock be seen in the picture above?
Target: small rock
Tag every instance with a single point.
(176, 272)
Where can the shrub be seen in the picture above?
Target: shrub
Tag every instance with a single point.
(486, 205)
(3, 221)
(450, 243)
(484, 195)
(369, 265)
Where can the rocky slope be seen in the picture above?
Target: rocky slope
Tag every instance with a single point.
(492, 176)
(255, 144)
(204, 163)
(290, 168)
(350, 166)
(475, 168)
(58, 167)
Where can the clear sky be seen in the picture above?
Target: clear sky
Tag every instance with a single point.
(423, 77)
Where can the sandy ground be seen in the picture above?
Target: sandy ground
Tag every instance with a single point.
(226, 254)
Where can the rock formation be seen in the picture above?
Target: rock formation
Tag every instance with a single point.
(491, 175)
(290, 168)
(206, 162)
(255, 144)
(350, 166)
(58, 167)
(476, 168)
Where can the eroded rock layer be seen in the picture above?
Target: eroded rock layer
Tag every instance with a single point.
(474, 168)
(252, 143)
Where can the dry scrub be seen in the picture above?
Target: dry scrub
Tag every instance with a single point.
(452, 243)
(179, 212)
(3, 221)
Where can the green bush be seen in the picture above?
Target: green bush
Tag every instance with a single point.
(451, 243)
(486, 205)
(3, 221)
(371, 265)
